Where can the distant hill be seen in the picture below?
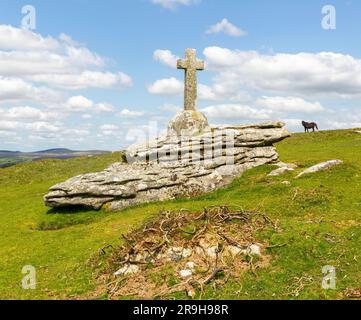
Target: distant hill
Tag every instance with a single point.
(58, 150)
(5, 152)
(10, 158)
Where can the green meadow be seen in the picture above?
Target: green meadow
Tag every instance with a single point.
(319, 217)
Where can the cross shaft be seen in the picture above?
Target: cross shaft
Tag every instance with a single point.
(191, 65)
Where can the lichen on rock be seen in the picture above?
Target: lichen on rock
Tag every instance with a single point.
(172, 167)
(188, 123)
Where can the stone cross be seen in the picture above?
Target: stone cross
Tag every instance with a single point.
(191, 65)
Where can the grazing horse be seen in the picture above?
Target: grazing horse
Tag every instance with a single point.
(309, 125)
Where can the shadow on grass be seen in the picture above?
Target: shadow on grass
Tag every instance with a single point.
(61, 218)
(69, 210)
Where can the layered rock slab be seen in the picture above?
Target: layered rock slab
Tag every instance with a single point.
(171, 167)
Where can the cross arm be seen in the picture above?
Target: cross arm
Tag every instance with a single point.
(200, 65)
(181, 64)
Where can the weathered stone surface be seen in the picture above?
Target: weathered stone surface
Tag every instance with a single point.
(254, 250)
(191, 65)
(211, 145)
(286, 165)
(320, 167)
(188, 123)
(123, 185)
(280, 171)
(127, 269)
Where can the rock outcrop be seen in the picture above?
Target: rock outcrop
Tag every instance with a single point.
(173, 166)
(320, 167)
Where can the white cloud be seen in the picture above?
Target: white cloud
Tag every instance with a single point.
(109, 130)
(68, 60)
(27, 113)
(17, 90)
(87, 116)
(83, 104)
(166, 87)
(166, 57)
(79, 104)
(309, 74)
(172, 4)
(234, 111)
(68, 40)
(38, 126)
(87, 79)
(222, 91)
(206, 93)
(62, 63)
(7, 135)
(42, 127)
(104, 107)
(38, 77)
(293, 124)
(126, 113)
(21, 39)
(76, 132)
(290, 104)
(227, 28)
(9, 125)
(109, 127)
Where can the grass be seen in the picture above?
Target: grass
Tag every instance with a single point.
(10, 161)
(320, 217)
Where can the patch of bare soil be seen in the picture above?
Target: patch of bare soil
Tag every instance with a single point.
(184, 251)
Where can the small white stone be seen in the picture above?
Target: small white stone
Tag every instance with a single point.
(186, 253)
(174, 254)
(127, 269)
(190, 265)
(254, 250)
(286, 165)
(142, 257)
(233, 250)
(191, 293)
(280, 171)
(320, 167)
(286, 183)
(212, 252)
(177, 253)
(204, 244)
(161, 256)
(186, 273)
(199, 251)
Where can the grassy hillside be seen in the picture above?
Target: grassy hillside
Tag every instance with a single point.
(320, 218)
(10, 161)
(10, 158)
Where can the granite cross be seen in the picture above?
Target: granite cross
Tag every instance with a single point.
(191, 65)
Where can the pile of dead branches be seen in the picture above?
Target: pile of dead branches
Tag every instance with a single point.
(185, 251)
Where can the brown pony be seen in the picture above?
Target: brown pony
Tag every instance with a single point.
(309, 125)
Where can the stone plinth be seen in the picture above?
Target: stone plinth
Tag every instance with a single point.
(188, 123)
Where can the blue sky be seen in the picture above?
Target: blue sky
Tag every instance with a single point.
(277, 63)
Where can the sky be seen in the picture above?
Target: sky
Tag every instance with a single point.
(102, 74)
